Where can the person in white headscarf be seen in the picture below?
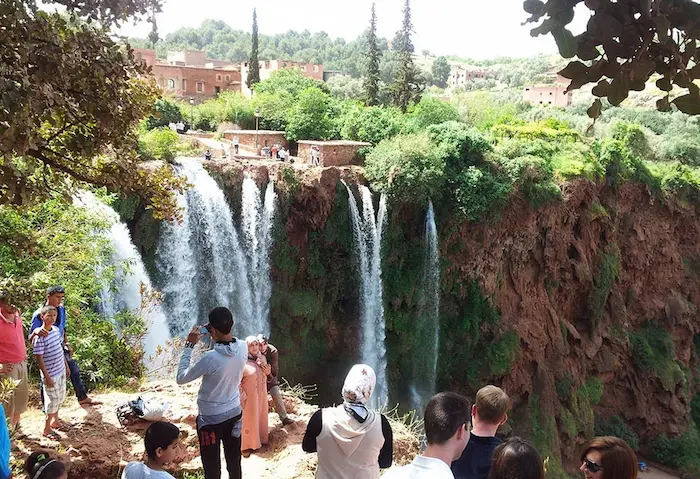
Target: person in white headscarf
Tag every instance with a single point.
(351, 440)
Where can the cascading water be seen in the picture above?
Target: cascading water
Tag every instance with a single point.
(367, 232)
(427, 336)
(257, 220)
(130, 278)
(203, 262)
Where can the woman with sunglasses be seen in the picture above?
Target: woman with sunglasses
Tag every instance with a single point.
(608, 458)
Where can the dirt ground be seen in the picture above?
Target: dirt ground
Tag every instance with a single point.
(95, 445)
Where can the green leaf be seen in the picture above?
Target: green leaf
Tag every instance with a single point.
(689, 104)
(595, 109)
(533, 7)
(566, 43)
(664, 84)
(619, 90)
(573, 70)
(601, 89)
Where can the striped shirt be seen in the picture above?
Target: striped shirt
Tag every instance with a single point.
(50, 349)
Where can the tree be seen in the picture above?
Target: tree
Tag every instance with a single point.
(441, 71)
(371, 80)
(311, 117)
(253, 62)
(406, 88)
(346, 87)
(72, 99)
(624, 44)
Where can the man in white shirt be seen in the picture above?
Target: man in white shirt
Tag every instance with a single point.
(447, 424)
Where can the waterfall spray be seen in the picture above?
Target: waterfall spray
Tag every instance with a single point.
(367, 233)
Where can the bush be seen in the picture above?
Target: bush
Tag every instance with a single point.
(429, 111)
(166, 112)
(370, 124)
(159, 144)
(683, 148)
(591, 390)
(502, 352)
(681, 452)
(460, 145)
(602, 285)
(535, 178)
(545, 130)
(633, 138)
(616, 427)
(311, 117)
(653, 351)
(407, 168)
(480, 191)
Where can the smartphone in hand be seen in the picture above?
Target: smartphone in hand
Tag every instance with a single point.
(203, 330)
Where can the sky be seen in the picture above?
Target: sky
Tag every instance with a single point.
(475, 29)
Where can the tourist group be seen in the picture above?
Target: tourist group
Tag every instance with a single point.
(351, 440)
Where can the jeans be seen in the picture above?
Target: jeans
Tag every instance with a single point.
(210, 439)
(278, 402)
(75, 379)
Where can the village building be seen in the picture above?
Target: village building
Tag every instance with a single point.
(189, 73)
(460, 75)
(553, 94)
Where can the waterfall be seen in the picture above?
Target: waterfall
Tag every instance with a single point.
(427, 336)
(130, 278)
(257, 221)
(367, 233)
(204, 262)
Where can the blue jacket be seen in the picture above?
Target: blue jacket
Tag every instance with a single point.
(60, 321)
(4, 447)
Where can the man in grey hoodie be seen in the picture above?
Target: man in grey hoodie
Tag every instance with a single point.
(218, 401)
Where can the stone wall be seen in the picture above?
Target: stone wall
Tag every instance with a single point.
(333, 153)
(265, 137)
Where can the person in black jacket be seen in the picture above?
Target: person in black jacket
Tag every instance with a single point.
(351, 440)
(488, 413)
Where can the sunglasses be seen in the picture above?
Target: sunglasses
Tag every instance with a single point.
(592, 466)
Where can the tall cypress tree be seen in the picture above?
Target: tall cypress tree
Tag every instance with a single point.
(253, 63)
(371, 80)
(407, 88)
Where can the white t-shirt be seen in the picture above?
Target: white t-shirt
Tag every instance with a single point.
(138, 470)
(421, 468)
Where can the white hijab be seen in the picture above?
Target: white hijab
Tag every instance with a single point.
(357, 389)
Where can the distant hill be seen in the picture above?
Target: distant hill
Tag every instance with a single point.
(220, 41)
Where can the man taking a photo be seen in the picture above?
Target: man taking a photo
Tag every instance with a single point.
(218, 401)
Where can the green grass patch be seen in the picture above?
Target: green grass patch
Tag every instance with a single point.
(608, 273)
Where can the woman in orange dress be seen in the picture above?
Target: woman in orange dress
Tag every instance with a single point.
(254, 399)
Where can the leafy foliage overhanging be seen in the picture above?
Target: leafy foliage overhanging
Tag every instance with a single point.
(71, 101)
(625, 43)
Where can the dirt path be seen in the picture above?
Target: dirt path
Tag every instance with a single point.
(654, 473)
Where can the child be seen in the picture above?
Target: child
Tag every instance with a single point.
(40, 465)
(162, 447)
(48, 352)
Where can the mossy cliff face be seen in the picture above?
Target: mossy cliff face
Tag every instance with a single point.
(584, 310)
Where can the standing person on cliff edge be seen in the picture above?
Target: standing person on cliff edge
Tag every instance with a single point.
(273, 385)
(218, 400)
(13, 360)
(54, 297)
(488, 413)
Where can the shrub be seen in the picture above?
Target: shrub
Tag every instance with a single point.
(370, 124)
(460, 145)
(480, 191)
(681, 452)
(563, 386)
(502, 352)
(615, 426)
(166, 112)
(311, 117)
(683, 148)
(633, 138)
(535, 178)
(680, 181)
(429, 111)
(159, 144)
(591, 390)
(603, 282)
(546, 130)
(407, 168)
(653, 351)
